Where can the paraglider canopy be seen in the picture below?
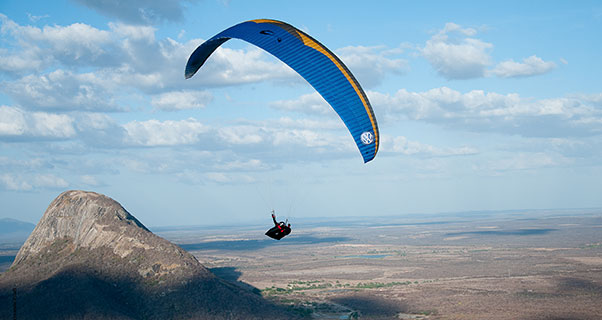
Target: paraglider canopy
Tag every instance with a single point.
(315, 63)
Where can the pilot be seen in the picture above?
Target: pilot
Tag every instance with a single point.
(280, 229)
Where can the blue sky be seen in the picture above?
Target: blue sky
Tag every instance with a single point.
(481, 106)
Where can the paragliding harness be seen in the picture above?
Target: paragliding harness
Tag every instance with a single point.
(280, 230)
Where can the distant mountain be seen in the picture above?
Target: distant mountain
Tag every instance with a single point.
(89, 258)
(14, 230)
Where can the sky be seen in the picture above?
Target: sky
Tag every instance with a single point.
(492, 105)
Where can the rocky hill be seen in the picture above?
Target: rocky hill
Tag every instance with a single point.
(89, 258)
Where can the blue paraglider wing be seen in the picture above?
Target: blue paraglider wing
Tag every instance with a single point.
(315, 63)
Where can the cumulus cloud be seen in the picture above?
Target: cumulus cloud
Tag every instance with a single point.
(477, 110)
(75, 74)
(311, 103)
(31, 164)
(283, 132)
(236, 165)
(530, 66)
(455, 54)
(138, 11)
(10, 182)
(181, 100)
(143, 34)
(243, 134)
(286, 138)
(125, 57)
(62, 91)
(38, 48)
(90, 180)
(16, 123)
(307, 138)
(99, 130)
(12, 121)
(29, 182)
(371, 65)
(49, 181)
(82, 68)
(309, 124)
(34, 18)
(164, 133)
(229, 66)
(219, 177)
(19, 62)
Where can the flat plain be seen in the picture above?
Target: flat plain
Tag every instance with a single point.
(492, 265)
(481, 265)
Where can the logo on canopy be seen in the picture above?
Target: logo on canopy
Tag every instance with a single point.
(367, 137)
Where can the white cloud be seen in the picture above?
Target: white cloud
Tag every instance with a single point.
(19, 62)
(73, 45)
(90, 181)
(49, 181)
(236, 165)
(10, 182)
(228, 66)
(309, 124)
(70, 43)
(182, 100)
(80, 67)
(285, 138)
(286, 132)
(17, 123)
(12, 121)
(121, 55)
(226, 178)
(98, 130)
(77, 80)
(243, 135)
(371, 65)
(52, 125)
(311, 103)
(164, 133)
(34, 18)
(144, 34)
(477, 110)
(307, 138)
(62, 90)
(117, 60)
(455, 55)
(289, 132)
(32, 164)
(530, 66)
(595, 99)
(219, 177)
(15, 182)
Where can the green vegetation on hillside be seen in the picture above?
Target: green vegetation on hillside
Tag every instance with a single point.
(298, 286)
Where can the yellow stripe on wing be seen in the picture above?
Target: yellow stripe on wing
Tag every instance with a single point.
(310, 42)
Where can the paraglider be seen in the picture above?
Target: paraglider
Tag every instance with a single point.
(280, 230)
(319, 66)
(315, 63)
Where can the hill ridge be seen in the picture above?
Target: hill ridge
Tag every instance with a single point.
(88, 245)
